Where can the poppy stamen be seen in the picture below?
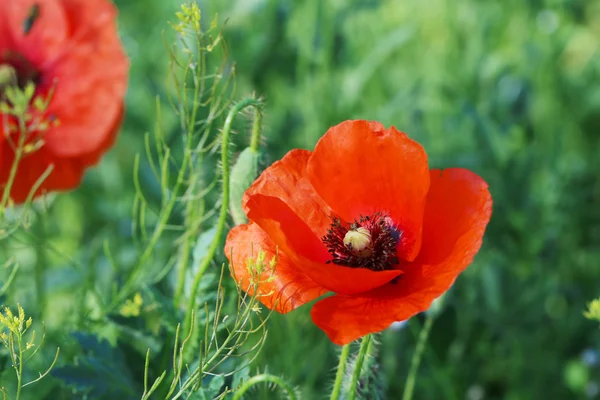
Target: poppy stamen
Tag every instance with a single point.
(369, 242)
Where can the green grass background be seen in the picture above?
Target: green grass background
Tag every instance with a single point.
(507, 88)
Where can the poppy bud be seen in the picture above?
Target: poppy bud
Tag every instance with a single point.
(8, 76)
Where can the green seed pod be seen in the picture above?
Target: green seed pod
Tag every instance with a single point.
(243, 173)
(8, 76)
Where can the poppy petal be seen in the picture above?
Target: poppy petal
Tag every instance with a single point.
(94, 37)
(458, 209)
(66, 174)
(38, 28)
(53, 41)
(286, 179)
(360, 168)
(282, 289)
(5, 37)
(295, 239)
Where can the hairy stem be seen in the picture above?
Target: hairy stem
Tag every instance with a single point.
(364, 346)
(256, 129)
(224, 205)
(265, 378)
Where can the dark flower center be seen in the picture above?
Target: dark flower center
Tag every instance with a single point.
(16, 70)
(369, 242)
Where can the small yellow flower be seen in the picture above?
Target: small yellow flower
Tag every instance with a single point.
(132, 308)
(593, 311)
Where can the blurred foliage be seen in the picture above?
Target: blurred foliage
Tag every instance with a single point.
(506, 88)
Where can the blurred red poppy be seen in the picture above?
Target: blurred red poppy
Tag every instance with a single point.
(71, 49)
(363, 217)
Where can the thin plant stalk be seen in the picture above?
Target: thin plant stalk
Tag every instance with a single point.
(220, 228)
(416, 358)
(15, 165)
(360, 358)
(339, 376)
(20, 370)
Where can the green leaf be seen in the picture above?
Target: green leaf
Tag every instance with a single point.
(243, 173)
(209, 392)
(101, 373)
(215, 385)
(239, 377)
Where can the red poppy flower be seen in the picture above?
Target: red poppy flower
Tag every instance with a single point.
(361, 216)
(70, 48)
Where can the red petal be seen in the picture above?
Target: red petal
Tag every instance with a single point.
(286, 179)
(48, 34)
(5, 38)
(86, 17)
(360, 168)
(283, 289)
(458, 209)
(88, 95)
(295, 239)
(67, 171)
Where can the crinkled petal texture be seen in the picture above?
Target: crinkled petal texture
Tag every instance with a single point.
(289, 217)
(359, 168)
(457, 211)
(284, 204)
(74, 47)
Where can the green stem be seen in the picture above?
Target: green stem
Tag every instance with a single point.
(193, 210)
(339, 376)
(226, 346)
(156, 234)
(256, 129)
(40, 263)
(184, 257)
(20, 373)
(224, 206)
(265, 378)
(364, 346)
(13, 169)
(369, 354)
(416, 358)
(185, 252)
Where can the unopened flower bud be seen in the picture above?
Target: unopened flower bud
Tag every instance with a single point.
(8, 76)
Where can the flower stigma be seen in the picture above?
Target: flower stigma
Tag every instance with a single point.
(359, 242)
